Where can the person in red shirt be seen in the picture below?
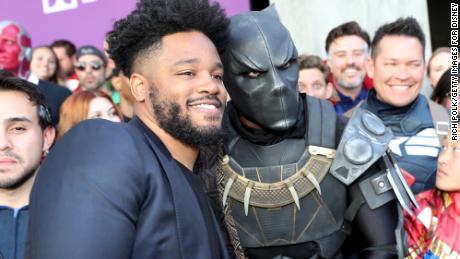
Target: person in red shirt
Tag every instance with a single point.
(435, 231)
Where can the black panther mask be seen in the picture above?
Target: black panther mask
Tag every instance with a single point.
(261, 70)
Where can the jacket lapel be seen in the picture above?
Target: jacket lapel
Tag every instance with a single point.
(189, 220)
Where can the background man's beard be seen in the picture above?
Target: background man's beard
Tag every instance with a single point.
(169, 119)
(16, 182)
(345, 85)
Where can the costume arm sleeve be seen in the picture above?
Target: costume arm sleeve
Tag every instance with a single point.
(375, 228)
(86, 197)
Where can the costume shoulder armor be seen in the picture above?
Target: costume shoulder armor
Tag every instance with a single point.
(364, 140)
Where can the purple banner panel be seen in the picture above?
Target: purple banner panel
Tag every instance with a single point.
(80, 21)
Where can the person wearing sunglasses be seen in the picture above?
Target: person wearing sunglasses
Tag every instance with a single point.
(90, 68)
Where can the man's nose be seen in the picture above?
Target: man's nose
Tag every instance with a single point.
(402, 73)
(350, 58)
(279, 86)
(5, 142)
(210, 85)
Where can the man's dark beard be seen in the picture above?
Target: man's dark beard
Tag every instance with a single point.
(169, 119)
(16, 183)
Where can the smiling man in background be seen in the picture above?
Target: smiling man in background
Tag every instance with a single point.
(347, 47)
(397, 68)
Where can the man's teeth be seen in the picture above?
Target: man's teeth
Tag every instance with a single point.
(350, 71)
(401, 87)
(206, 106)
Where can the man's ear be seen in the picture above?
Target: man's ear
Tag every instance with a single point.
(370, 67)
(139, 86)
(49, 134)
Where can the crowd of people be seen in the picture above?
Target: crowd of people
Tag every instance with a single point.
(195, 135)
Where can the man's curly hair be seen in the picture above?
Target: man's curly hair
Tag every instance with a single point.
(141, 31)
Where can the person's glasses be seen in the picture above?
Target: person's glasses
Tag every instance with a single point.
(81, 66)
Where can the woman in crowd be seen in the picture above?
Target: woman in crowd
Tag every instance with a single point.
(44, 64)
(438, 63)
(87, 105)
(435, 231)
(442, 92)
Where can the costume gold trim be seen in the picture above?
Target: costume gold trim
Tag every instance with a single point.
(278, 194)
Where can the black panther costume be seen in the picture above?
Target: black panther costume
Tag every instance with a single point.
(281, 188)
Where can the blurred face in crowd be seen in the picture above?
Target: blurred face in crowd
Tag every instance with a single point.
(184, 88)
(22, 141)
(9, 48)
(101, 108)
(66, 63)
(43, 63)
(397, 69)
(448, 174)
(110, 63)
(347, 59)
(438, 65)
(121, 83)
(90, 71)
(313, 83)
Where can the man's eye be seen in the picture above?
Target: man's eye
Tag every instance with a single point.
(286, 65)
(18, 129)
(187, 73)
(317, 86)
(218, 77)
(253, 74)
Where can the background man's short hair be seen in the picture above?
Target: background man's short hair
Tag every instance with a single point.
(312, 61)
(347, 29)
(408, 27)
(34, 95)
(69, 47)
(91, 50)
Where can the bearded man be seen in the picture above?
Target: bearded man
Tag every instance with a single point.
(122, 191)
